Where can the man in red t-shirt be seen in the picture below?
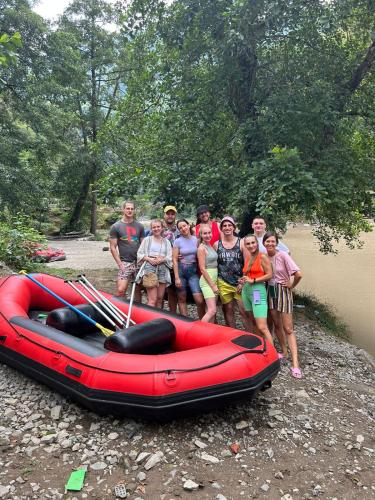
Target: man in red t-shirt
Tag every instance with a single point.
(204, 217)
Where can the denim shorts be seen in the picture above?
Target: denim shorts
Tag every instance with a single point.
(189, 278)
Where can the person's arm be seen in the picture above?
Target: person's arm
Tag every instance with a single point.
(244, 250)
(201, 254)
(175, 253)
(296, 279)
(291, 269)
(113, 246)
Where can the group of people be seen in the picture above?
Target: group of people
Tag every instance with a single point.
(255, 273)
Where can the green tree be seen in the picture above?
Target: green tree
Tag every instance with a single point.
(253, 104)
(85, 81)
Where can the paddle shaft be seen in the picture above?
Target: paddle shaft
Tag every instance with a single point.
(82, 278)
(91, 303)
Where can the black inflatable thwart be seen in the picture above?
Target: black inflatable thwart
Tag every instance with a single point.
(152, 337)
(247, 341)
(69, 321)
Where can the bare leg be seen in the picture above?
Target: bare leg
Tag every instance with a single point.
(138, 294)
(211, 310)
(279, 331)
(251, 320)
(172, 299)
(199, 301)
(245, 319)
(152, 295)
(228, 310)
(181, 296)
(287, 320)
(160, 295)
(122, 286)
(263, 328)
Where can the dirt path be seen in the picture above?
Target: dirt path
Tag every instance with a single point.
(84, 255)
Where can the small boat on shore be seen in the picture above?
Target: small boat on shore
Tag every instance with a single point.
(163, 366)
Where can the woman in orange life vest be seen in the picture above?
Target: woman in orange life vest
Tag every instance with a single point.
(256, 272)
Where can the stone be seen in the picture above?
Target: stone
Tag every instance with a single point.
(265, 487)
(56, 412)
(142, 456)
(200, 444)
(209, 458)
(112, 436)
(221, 497)
(279, 475)
(360, 439)
(141, 476)
(95, 426)
(242, 425)
(48, 439)
(98, 466)
(4, 490)
(302, 394)
(153, 460)
(190, 485)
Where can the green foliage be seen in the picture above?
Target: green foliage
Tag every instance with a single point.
(247, 105)
(8, 48)
(217, 86)
(18, 242)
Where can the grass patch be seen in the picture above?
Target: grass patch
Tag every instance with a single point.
(65, 273)
(322, 314)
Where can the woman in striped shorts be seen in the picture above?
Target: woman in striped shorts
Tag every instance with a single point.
(286, 276)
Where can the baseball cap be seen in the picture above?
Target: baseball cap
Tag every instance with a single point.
(170, 207)
(202, 209)
(227, 218)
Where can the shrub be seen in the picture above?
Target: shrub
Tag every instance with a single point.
(18, 242)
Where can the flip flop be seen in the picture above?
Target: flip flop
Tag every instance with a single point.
(296, 372)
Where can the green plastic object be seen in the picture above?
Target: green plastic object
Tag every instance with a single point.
(75, 482)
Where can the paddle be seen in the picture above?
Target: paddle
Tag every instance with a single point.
(104, 330)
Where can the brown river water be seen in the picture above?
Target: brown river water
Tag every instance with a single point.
(345, 281)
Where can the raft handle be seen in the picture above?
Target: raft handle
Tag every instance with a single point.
(73, 371)
(3, 339)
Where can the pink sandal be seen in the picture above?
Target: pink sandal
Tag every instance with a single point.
(296, 372)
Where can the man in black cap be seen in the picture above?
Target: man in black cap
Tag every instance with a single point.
(204, 217)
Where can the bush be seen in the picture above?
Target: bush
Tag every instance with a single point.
(18, 242)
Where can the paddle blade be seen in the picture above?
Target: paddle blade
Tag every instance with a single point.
(104, 330)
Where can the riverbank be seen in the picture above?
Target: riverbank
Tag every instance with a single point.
(300, 439)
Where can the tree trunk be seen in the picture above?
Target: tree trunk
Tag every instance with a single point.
(94, 206)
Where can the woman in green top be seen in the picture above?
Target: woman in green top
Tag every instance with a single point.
(207, 262)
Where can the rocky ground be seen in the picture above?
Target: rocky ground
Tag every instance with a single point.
(300, 439)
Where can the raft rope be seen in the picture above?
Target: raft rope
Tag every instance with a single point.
(152, 372)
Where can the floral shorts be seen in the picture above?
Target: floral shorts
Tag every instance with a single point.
(127, 271)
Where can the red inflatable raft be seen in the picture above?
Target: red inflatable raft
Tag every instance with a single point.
(163, 366)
